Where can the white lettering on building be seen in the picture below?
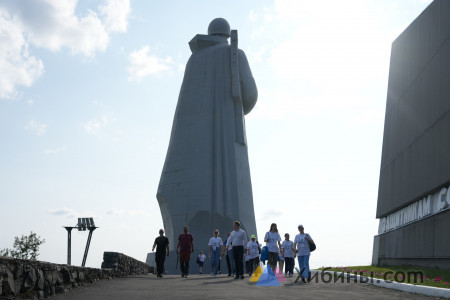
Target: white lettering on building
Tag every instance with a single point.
(429, 205)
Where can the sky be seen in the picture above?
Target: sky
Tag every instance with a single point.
(88, 90)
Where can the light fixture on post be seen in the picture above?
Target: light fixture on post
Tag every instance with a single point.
(82, 225)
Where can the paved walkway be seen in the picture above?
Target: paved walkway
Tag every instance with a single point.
(203, 286)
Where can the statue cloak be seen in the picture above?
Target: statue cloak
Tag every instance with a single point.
(205, 182)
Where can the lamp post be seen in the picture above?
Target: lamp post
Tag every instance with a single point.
(82, 225)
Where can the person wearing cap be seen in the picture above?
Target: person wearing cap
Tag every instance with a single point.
(301, 246)
(253, 251)
(215, 250)
(272, 238)
(287, 250)
(161, 243)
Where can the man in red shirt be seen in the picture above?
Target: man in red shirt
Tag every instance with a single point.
(185, 247)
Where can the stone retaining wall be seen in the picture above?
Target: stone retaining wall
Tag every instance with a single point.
(26, 279)
(123, 265)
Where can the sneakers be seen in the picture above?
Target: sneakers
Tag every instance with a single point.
(242, 277)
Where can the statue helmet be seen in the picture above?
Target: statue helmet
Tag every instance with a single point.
(219, 26)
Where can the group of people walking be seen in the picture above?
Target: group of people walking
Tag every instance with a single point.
(287, 250)
(236, 249)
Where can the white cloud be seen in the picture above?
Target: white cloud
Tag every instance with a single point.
(252, 16)
(96, 125)
(116, 14)
(127, 228)
(34, 126)
(285, 103)
(56, 26)
(122, 212)
(181, 68)
(269, 215)
(260, 24)
(63, 211)
(320, 60)
(55, 151)
(52, 25)
(143, 64)
(72, 214)
(93, 126)
(258, 55)
(17, 66)
(331, 49)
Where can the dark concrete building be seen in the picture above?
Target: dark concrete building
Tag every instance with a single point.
(414, 193)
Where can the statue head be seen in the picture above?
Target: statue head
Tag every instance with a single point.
(220, 27)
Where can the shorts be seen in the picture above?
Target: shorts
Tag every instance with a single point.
(200, 264)
(272, 258)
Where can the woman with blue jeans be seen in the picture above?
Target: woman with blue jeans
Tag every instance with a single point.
(215, 251)
(272, 238)
(301, 246)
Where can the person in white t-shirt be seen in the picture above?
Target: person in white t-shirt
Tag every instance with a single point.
(272, 238)
(301, 246)
(253, 251)
(287, 250)
(215, 250)
(201, 260)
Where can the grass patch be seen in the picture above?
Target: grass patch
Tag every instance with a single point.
(406, 274)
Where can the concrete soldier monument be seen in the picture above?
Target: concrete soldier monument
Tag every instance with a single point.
(205, 182)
